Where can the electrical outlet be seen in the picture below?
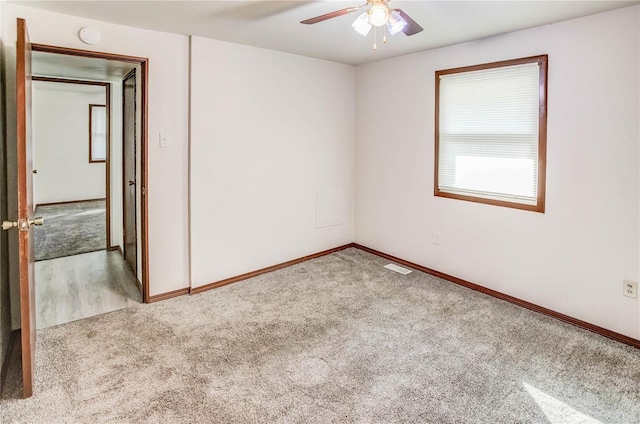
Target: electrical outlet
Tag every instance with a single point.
(436, 238)
(164, 139)
(630, 288)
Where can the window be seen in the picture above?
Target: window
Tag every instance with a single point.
(97, 133)
(491, 131)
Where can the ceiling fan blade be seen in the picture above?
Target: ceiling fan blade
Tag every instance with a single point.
(412, 26)
(331, 15)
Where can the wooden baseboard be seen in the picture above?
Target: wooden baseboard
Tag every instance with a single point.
(68, 202)
(167, 295)
(494, 293)
(118, 248)
(13, 339)
(499, 295)
(272, 268)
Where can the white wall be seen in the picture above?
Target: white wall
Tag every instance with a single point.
(60, 124)
(270, 133)
(571, 259)
(168, 109)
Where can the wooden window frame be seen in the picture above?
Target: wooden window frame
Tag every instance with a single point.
(542, 61)
(91, 159)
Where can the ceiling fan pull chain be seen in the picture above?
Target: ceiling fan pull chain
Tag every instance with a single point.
(375, 37)
(384, 37)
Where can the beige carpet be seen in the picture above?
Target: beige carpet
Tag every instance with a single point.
(336, 339)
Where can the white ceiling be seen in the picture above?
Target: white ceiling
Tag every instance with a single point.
(275, 24)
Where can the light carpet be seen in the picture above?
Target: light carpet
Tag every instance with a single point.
(70, 229)
(335, 339)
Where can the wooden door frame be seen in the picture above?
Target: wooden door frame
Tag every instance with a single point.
(144, 125)
(107, 92)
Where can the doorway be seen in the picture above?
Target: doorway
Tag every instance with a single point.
(127, 229)
(73, 192)
(72, 133)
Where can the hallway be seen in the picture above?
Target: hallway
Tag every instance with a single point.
(81, 286)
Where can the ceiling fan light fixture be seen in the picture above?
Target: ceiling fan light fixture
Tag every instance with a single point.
(361, 24)
(378, 14)
(396, 23)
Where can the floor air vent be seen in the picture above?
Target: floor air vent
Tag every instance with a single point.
(396, 268)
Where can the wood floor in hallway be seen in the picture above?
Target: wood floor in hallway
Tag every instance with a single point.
(81, 286)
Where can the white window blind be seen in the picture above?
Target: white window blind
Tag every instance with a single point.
(98, 133)
(488, 133)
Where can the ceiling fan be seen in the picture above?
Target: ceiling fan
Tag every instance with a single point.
(379, 14)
